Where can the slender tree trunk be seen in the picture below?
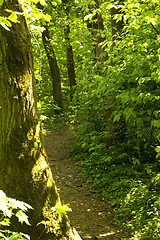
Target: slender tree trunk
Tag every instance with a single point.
(96, 26)
(116, 27)
(70, 59)
(54, 69)
(24, 170)
(116, 35)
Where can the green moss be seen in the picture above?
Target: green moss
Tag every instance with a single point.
(24, 170)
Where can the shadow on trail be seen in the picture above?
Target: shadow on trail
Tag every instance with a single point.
(90, 216)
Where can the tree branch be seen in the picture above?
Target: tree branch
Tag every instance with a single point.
(155, 28)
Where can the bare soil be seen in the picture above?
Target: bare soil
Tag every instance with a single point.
(91, 217)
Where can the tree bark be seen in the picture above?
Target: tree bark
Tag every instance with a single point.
(69, 50)
(24, 170)
(116, 27)
(70, 60)
(54, 69)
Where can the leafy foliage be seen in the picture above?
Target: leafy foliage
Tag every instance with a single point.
(115, 104)
(61, 209)
(118, 115)
(10, 207)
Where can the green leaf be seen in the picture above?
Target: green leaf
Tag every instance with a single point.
(13, 17)
(46, 17)
(117, 117)
(1, 2)
(42, 2)
(45, 223)
(155, 123)
(135, 161)
(61, 209)
(103, 54)
(5, 222)
(118, 17)
(87, 17)
(5, 22)
(22, 217)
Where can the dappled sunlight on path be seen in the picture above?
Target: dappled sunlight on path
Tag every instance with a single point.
(90, 216)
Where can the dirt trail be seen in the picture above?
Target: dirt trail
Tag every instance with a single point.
(90, 216)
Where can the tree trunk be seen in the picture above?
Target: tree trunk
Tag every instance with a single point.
(116, 26)
(70, 59)
(24, 170)
(54, 69)
(96, 27)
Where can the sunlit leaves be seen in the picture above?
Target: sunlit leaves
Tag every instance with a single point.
(130, 123)
(30, 11)
(61, 209)
(87, 17)
(90, 15)
(30, 2)
(33, 14)
(1, 2)
(5, 23)
(13, 17)
(10, 207)
(22, 217)
(8, 235)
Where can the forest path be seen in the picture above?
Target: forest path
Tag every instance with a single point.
(90, 216)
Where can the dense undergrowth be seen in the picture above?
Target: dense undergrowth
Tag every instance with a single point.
(115, 106)
(132, 189)
(110, 159)
(117, 139)
(131, 185)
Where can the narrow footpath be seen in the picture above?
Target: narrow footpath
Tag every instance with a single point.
(90, 216)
